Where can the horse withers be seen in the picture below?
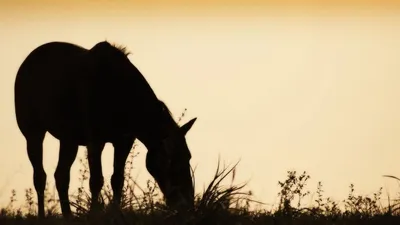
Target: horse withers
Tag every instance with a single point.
(90, 97)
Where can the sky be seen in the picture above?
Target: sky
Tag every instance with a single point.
(281, 85)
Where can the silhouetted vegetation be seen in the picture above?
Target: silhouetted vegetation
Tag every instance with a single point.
(217, 204)
(221, 202)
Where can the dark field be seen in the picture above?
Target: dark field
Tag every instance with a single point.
(218, 204)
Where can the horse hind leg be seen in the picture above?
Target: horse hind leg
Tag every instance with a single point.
(96, 179)
(67, 155)
(34, 142)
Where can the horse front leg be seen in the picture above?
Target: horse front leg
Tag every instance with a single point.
(122, 148)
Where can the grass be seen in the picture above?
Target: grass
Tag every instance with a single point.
(218, 203)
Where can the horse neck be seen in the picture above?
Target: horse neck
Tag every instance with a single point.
(157, 127)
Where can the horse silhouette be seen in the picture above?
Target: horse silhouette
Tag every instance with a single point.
(91, 97)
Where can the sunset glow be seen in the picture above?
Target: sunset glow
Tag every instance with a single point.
(281, 85)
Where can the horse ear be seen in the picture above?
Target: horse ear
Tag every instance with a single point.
(186, 127)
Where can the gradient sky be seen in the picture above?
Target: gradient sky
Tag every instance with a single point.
(311, 85)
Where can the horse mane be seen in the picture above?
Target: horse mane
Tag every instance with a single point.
(166, 109)
(117, 47)
(123, 49)
(107, 47)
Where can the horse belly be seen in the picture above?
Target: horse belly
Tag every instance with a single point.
(67, 130)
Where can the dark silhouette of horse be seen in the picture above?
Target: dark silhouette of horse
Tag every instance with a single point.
(89, 97)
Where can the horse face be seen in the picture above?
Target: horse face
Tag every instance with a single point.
(169, 165)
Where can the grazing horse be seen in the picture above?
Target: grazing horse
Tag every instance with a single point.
(90, 97)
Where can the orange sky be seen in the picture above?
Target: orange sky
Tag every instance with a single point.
(196, 4)
(12, 11)
(322, 93)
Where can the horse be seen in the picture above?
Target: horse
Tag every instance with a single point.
(90, 97)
